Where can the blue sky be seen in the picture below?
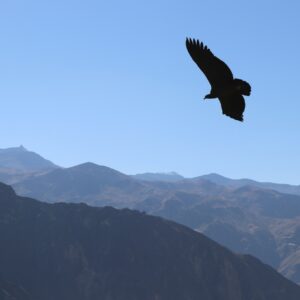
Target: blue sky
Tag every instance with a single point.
(111, 82)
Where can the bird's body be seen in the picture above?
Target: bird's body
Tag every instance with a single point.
(230, 91)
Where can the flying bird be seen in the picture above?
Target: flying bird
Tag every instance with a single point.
(230, 91)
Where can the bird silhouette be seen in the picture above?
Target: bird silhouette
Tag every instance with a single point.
(230, 91)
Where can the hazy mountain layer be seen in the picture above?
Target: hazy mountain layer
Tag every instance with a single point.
(251, 220)
(236, 183)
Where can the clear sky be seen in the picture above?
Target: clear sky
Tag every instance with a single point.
(111, 82)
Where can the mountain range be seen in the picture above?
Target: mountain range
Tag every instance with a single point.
(17, 164)
(73, 251)
(246, 218)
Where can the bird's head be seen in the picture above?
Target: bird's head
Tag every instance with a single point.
(208, 96)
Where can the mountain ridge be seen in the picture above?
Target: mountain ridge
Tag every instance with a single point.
(236, 183)
(256, 219)
(245, 219)
(74, 251)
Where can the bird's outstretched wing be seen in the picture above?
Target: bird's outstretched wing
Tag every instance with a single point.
(216, 71)
(233, 106)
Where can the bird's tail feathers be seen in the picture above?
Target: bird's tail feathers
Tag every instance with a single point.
(243, 86)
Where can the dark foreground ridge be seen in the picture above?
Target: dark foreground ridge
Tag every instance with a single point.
(73, 251)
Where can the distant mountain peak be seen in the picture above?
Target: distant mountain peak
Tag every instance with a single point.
(14, 149)
(21, 147)
(90, 166)
(87, 164)
(159, 176)
(20, 160)
(169, 173)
